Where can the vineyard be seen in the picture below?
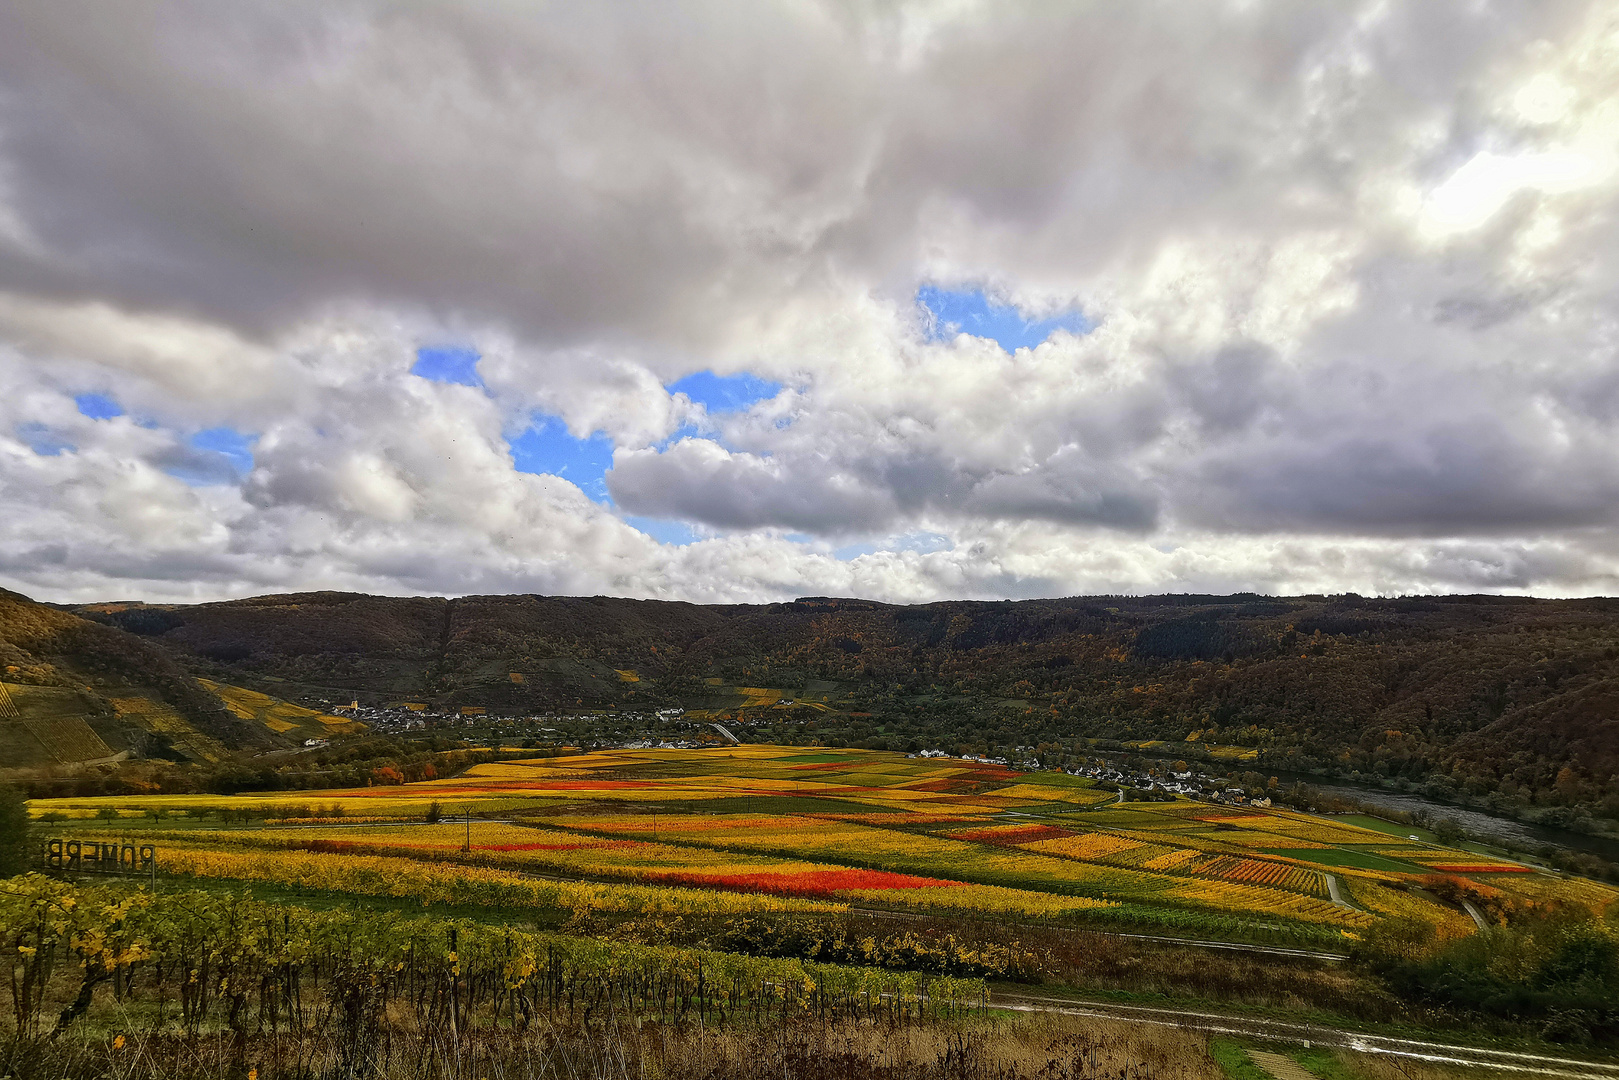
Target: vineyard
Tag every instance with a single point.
(776, 829)
(68, 739)
(431, 882)
(162, 719)
(209, 958)
(127, 982)
(202, 962)
(42, 725)
(407, 929)
(281, 717)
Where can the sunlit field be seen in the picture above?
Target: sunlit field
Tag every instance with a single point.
(777, 829)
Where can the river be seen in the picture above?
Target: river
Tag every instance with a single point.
(1514, 833)
(1510, 832)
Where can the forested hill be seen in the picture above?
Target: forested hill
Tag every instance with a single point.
(73, 681)
(1472, 693)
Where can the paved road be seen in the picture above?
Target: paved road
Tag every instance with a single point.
(1316, 1035)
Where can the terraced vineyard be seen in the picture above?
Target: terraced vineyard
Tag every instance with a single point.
(163, 719)
(41, 725)
(281, 717)
(68, 738)
(709, 830)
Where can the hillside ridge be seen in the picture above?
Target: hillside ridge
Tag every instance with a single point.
(1514, 698)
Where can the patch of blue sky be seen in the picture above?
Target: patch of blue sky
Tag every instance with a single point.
(219, 455)
(969, 311)
(684, 431)
(42, 440)
(851, 552)
(98, 406)
(548, 447)
(725, 393)
(232, 445)
(448, 364)
(923, 543)
(663, 530)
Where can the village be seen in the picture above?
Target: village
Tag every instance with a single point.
(674, 728)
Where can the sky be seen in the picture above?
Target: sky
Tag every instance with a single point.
(737, 302)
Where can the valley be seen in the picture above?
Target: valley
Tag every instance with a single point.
(935, 816)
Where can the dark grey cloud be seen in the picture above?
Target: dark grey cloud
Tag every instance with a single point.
(833, 496)
(580, 175)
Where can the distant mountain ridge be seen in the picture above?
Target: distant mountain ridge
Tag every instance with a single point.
(1465, 694)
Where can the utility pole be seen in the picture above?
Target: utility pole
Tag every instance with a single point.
(468, 847)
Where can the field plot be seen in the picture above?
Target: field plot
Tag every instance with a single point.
(163, 719)
(440, 880)
(709, 830)
(45, 724)
(281, 717)
(69, 739)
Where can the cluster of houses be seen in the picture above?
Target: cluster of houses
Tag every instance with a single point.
(415, 716)
(1191, 784)
(623, 728)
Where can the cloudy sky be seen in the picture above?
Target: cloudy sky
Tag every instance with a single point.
(746, 301)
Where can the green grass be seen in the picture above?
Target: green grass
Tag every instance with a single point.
(1392, 828)
(1323, 1062)
(1039, 809)
(1359, 860)
(1234, 1061)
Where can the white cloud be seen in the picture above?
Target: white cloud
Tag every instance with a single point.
(1480, 189)
(1350, 270)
